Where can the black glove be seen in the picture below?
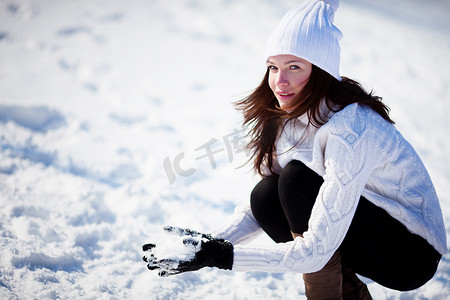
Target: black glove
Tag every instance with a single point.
(208, 252)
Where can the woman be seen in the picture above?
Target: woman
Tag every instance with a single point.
(342, 191)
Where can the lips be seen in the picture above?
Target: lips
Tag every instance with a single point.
(284, 94)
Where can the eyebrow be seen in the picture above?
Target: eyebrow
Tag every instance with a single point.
(294, 61)
(287, 63)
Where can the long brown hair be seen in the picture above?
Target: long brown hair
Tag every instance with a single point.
(264, 118)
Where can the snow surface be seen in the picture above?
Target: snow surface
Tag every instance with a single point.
(108, 109)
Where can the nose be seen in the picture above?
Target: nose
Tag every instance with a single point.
(281, 79)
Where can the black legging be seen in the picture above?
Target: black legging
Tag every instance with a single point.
(376, 246)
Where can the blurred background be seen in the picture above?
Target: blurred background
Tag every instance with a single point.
(108, 110)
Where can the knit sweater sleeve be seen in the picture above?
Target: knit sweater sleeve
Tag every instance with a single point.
(240, 227)
(344, 148)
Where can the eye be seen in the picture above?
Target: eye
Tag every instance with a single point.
(272, 68)
(294, 67)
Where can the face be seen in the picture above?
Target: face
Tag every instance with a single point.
(288, 75)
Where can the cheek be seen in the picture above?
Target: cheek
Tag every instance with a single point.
(271, 82)
(301, 81)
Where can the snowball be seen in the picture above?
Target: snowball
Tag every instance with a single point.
(175, 248)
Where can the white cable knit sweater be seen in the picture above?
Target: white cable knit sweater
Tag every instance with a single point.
(357, 153)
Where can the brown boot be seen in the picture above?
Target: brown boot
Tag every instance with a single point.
(352, 287)
(326, 283)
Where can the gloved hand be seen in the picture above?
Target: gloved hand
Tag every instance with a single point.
(206, 250)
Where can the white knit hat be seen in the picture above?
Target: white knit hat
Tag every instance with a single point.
(307, 31)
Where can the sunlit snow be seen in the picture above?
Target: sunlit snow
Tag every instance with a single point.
(116, 119)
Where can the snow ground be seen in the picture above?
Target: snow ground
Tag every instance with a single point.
(101, 102)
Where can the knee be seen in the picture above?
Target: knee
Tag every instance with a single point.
(295, 170)
(297, 176)
(263, 194)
